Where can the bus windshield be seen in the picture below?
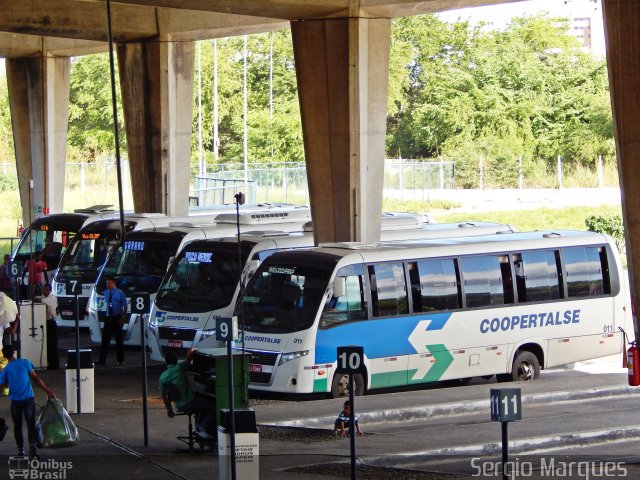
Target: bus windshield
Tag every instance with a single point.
(139, 265)
(284, 297)
(49, 241)
(204, 277)
(87, 253)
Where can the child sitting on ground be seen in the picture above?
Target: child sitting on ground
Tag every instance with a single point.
(343, 421)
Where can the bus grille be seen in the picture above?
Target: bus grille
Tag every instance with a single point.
(262, 358)
(68, 307)
(169, 333)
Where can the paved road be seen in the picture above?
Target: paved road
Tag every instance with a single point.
(587, 412)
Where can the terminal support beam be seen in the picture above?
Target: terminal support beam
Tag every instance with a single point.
(342, 67)
(622, 32)
(157, 97)
(39, 102)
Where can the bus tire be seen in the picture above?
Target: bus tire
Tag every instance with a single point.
(526, 367)
(340, 385)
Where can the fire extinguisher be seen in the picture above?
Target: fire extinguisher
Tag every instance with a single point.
(633, 361)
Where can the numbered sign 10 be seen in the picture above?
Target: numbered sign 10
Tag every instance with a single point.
(506, 405)
(73, 287)
(140, 303)
(15, 269)
(350, 359)
(227, 329)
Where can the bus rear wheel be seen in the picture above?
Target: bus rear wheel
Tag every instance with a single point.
(340, 385)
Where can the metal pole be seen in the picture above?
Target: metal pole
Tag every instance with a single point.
(200, 160)
(244, 116)
(215, 100)
(505, 450)
(352, 428)
(143, 346)
(600, 173)
(232, 421)
(520, 178)
(78, 396)
(559, 171)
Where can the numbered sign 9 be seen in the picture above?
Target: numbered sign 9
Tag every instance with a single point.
(226, 329)
(73, 287)
(140, 303)
(350, 359)
(15, 269)
(506, 405)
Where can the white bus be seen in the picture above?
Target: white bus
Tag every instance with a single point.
(140, 264)
(505, 305)
(183, 317)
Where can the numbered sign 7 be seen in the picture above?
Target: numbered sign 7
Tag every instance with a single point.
(506, 404)
(350, 359)
(73, 287)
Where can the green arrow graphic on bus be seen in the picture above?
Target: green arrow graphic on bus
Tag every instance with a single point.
(443, 359)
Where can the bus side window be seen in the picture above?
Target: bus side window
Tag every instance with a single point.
(350, 307)
(414, 280)
(537, 276)
(482, 277)
(388, 289)
(438, 285)
(507, 279)
(584, 271)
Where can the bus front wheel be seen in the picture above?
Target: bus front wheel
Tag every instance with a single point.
(526, 367)
(340, 385)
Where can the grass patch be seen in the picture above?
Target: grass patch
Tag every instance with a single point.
(569, 218)
(417, 206)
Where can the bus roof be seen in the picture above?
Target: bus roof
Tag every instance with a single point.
(61, 221)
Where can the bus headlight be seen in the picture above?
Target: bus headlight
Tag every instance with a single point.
(287, 357)
(207, 333)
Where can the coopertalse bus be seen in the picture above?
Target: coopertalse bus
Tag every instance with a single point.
(140, 264)
(95, 243)
(184, 313)
(52, 234)
(433, 310)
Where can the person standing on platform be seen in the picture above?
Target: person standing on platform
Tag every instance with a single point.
(6, 283)
(9, 320)
(51, 302)
(115, 316)
(36, 268)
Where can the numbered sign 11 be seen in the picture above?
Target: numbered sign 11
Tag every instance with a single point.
(227, 329)
(350, 359)
(506, 405)
(73, 287)
(140, 303)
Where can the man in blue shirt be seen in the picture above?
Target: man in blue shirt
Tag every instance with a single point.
(17, 376)
(115, 316)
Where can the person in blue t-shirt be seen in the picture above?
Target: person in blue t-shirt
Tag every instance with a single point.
(342, 422)
(115, 316)
(17, 376)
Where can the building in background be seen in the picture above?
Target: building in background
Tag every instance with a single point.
(584, 16)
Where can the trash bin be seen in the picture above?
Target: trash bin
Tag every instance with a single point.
(247, 447)
(86, 381)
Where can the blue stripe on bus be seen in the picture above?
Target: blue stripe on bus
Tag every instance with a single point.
(385, 337)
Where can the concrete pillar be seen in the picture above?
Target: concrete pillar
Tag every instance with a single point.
(622, 33)
(39, 102)
(157, 95)
(342, 67)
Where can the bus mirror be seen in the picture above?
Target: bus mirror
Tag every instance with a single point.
(339, 287)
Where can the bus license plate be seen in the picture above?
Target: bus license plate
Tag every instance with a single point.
(175, 343)
(66, 313)
(254, 368)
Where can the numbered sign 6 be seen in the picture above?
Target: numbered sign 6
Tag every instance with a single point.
(73, 287)
(506, 405)
(350, 359)
(227, 329)
(140, 303)
(15, 269)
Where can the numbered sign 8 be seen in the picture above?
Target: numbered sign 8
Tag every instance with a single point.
(140, 303)
(506, 404)
(226, 329)
(350, 359)
(73, 287)
(15, 269)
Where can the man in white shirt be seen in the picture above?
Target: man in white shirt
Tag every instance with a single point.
(8, 320)
(51, 302)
